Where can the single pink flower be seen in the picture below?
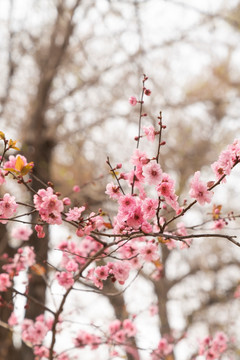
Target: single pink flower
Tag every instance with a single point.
(102, 272)
(132, 101)
(76, 188)
(75, 213)
(149, 132)
(8, 207)
(12, 321)
(129, 328)
(199, 190)
(66, 201)
(150, 252)
(22, 232)
(152, 173)
(219, 224)
(65, 279)
(113, 191)
(4, 282)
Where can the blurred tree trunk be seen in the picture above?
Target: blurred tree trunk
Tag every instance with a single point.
(38, 147)
(120, 310)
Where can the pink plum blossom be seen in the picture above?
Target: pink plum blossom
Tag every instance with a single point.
(75, 213)
(4, 282)
(22, 232)
(113, 191)
(102, 272)
(40, 232)
(66, 201)
(65, 279)
(49, 206)
(132, 101)
(34, 332)
(139, 158)
(8, 207)
(149, 132)
(76, 189)
(219, 224)
(149, 207)
(12, 320)
(199, 190)
(152, 173)
(84, 338)
(135, 218)
(120, 270)
(149, 252)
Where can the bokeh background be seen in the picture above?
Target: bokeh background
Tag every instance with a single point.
(67, 71)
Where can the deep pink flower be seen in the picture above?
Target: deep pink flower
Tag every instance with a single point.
(102, 272)
(40, 232)
(65, 279)
(219, 224)
(66, 201)
(76, 189)
(132, 101)
(135, 218)
(120, 270)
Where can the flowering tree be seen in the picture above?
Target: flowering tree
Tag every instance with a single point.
(105, 250)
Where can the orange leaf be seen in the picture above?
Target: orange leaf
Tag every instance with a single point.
(19, 164)
(169, 357)
(216, 211)
(107, 225)
(162, 240)
(38, 269)
(2, 135)
(12, 144)
(25, 170)
(157, 263)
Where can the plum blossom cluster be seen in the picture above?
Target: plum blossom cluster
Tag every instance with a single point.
(118, 333)
(139, 211)
(74, 256)
(22, 260)
(49, 206)
(213, 347)
(34, 332)
(117, 271)
(227, 160)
